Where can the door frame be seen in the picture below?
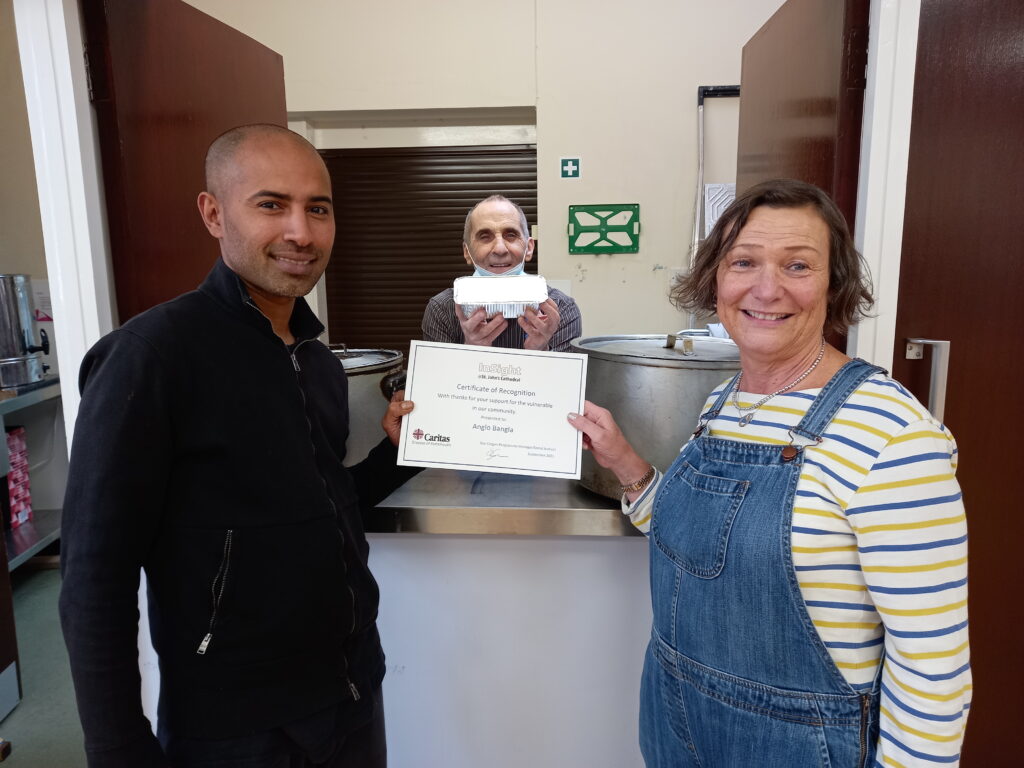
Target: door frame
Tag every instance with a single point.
(65, 148)
(885, 151)
(67, 168)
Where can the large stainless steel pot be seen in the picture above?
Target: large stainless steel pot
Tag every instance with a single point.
(654, 386)
(20, 362)
(368, 372)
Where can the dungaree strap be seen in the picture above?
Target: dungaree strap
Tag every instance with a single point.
(832, 397)
(719, 403)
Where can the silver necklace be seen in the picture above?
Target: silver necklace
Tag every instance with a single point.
(746, 418)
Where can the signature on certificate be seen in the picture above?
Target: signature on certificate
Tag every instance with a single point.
(495, 453)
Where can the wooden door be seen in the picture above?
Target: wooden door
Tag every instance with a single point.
(962, 280)
(166, 79)
(802, 97)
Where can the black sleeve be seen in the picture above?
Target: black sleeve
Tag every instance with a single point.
(117, 478)
(378, 475)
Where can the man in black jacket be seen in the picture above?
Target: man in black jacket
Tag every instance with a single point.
(208, 451)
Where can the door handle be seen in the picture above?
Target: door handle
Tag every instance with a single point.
(940, 371)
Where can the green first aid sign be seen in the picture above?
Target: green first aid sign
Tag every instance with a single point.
(569, 167)
(613, 228)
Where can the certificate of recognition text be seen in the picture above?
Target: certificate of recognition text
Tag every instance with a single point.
(493, 410)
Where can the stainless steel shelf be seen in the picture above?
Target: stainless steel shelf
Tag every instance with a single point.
(449, 502)
(30, 537)
(47, 389)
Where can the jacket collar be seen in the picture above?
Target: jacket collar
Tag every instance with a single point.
(227, 289)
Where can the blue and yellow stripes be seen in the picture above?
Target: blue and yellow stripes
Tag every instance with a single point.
(879, 545)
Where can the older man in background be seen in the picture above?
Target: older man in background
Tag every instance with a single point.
(496, 241)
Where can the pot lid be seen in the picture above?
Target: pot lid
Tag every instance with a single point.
(659, 349)
(366, 360)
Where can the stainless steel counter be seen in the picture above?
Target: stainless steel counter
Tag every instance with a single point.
(446, 501)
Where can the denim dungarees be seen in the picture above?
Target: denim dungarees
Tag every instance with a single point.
(736, 675)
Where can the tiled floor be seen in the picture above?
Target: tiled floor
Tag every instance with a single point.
(43, 729)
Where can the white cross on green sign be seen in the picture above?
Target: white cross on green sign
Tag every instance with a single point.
(570, 167)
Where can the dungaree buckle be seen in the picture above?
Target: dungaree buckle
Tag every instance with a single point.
(791, 451)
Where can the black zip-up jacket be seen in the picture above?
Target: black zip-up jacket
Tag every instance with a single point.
(209, 454)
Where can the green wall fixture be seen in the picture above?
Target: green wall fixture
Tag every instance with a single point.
(613, 228)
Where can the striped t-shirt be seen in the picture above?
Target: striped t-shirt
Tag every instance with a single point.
(879, 543)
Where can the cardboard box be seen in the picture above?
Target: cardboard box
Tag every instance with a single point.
(19, 494)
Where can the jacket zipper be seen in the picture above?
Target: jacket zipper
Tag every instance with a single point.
(865, 706)
(344, 563)
(220, 580)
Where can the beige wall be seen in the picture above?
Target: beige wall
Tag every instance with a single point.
(618, 89)
(614, 85)
(21, 234)
(404, 54)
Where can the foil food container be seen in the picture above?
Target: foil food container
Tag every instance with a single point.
(508, 295)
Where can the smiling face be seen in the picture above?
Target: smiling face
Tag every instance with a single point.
(772, 285)
(272, 212)
(497, 241)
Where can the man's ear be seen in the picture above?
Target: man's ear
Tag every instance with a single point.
(210, 210)
(530, 244)
(466, 256)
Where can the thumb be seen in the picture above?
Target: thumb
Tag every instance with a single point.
(583, 424)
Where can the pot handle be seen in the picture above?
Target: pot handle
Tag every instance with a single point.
(686, 335)
(44, 347)
(392, 383)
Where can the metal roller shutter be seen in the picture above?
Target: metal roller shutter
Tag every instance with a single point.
(400, 213)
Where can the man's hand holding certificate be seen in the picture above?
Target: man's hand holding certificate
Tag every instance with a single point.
(495, 410)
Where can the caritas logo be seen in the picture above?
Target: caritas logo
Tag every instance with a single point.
(419, 434)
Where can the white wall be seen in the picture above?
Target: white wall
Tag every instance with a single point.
(508, 652)
(615, 85)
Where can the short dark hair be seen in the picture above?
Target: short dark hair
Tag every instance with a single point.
(849, 284)
(523, 223)
(221, 153)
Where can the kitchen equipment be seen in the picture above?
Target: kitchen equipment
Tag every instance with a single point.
(369, 371)
(20, 361)
(655, 386)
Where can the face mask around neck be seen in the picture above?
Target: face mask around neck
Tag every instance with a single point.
(516, 270)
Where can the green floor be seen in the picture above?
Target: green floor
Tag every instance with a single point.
(43, 729)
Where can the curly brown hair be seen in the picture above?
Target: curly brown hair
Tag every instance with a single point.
(849, 284)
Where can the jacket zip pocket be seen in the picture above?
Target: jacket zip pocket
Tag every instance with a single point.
(220, 580)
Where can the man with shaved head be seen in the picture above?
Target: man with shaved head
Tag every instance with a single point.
(209, 452)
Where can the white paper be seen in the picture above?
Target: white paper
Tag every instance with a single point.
(41, 301)
(495, 410)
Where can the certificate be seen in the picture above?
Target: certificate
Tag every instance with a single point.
(496, 410)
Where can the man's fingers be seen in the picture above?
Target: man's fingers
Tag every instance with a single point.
(478, 328)
(494, 327)
(476, 318)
